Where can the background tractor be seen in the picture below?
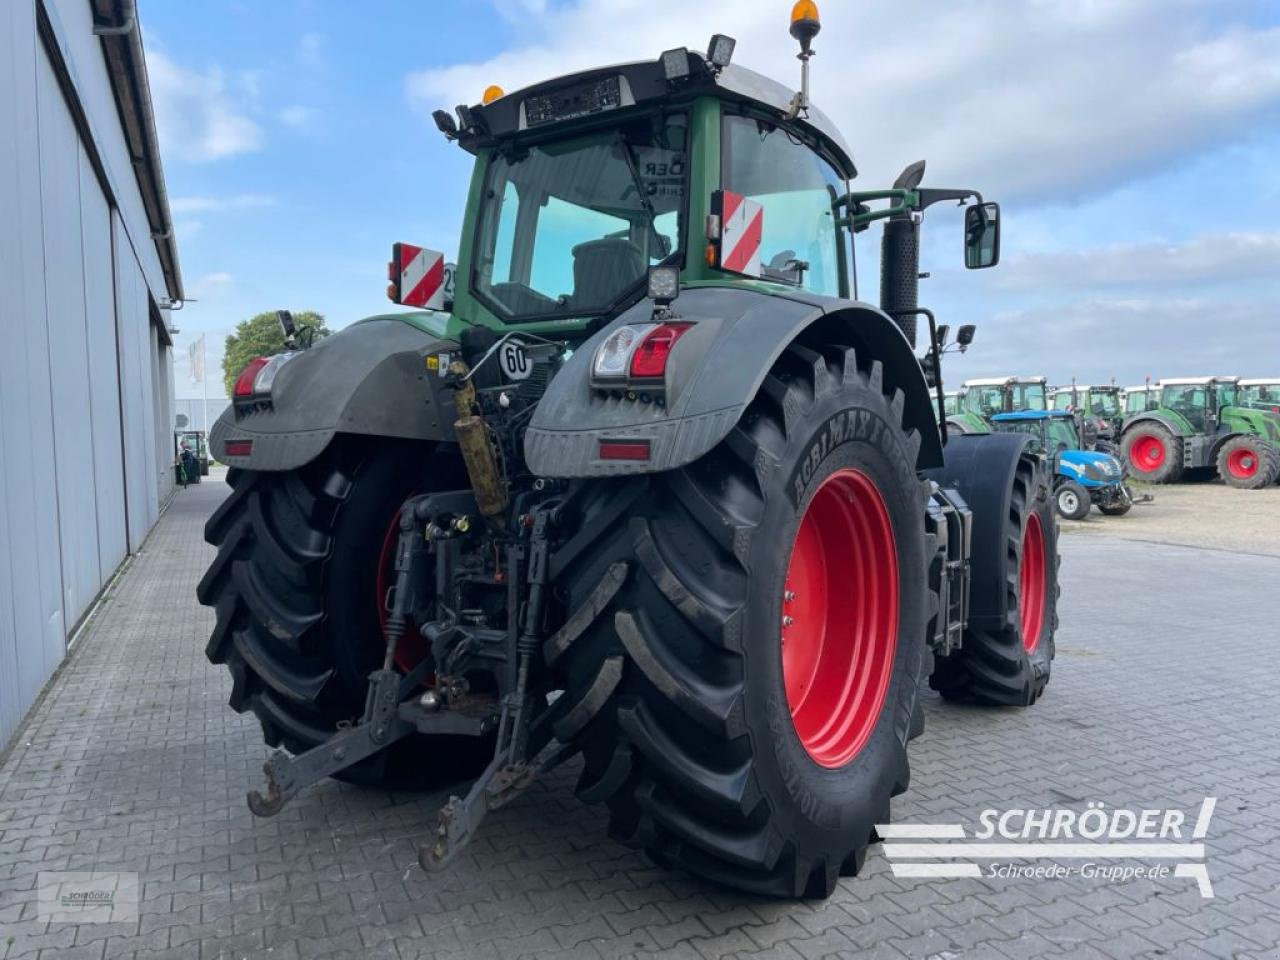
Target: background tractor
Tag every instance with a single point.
(982, 399)
(1139, 399)
(1262, 394)
(1098, 409)
(651, 488)
(1198, 423)
(1081, 477)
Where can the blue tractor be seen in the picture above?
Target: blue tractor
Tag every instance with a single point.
(1080, 477)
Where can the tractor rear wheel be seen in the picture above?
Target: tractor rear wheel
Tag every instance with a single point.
(298, 585)
(1010, 664)
(1153, 453)
(1072, 500)
(745, 641)
(1248, 462)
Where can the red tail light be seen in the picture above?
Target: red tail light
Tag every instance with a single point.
(649, 362)
(244, 382)
(239, 448)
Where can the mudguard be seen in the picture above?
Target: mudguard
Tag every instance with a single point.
(1177, 429)
(714, 372)
(981, 468)
(369, 378)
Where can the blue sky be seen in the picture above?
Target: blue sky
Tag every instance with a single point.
(1134, 144)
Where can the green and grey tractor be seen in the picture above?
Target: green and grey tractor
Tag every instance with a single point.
(1199, 423)
(1098, 409)
(1262, 393)
(651, 491)
(981, 399)
(1139, 399)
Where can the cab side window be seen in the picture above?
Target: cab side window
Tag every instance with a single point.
(799, 240)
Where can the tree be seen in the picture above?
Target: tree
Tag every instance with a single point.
(261, 336)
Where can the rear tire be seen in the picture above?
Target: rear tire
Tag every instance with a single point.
(1248, 463)
(1153, 453)
(295, 587)
(1072, 500)
(1010, 664)
(676, 690)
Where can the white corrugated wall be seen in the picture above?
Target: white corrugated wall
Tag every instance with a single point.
(85, 381)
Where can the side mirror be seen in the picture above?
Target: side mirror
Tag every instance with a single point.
(943, 331)
(287, 326)
(982, 236)
(964, 336)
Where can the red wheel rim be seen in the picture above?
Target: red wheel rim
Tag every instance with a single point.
(1243, 462)
(411, 649)
(1032, 582)
(1146, 453)
(840, 618)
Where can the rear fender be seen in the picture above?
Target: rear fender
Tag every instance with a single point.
(981, 467)
(369, 379)
(714, 372)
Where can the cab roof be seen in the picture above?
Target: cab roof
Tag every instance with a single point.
(593, 94)
(1001, 381)
(1140, 386)
(1195, 381)
(1258, 382)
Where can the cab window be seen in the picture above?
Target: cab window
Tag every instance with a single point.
(800, 242)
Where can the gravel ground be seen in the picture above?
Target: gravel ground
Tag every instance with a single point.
(1195, 514)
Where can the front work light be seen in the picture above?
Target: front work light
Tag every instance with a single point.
(675, 63)
(720, 51)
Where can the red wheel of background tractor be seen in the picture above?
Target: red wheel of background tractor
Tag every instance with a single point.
(1147, 453)
(1153, 452)
(839, 628)
(1032, 580)
(1248, 462)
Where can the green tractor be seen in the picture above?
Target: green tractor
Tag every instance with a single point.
(651, 491)
(1098, 408)
(1138, 399)
(1199, 422)
(980, 400)
(1261, 394)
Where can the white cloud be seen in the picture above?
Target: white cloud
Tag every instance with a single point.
(299, 117)
(1095, 339)
(311, 48)
(1211, 258)
(1042, 100)
(198, 117)
(210, 286)
(242, 201)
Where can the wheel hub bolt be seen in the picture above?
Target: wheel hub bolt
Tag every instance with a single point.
(789, 596)
(788, 621)
(430, 700)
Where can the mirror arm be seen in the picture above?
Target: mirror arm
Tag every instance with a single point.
(935, 352)
(929, 197)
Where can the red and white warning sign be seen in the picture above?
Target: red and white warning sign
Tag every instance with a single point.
(418, 276)
(741, 225)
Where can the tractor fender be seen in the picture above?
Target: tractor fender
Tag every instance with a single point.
(713, 373)
(1167, 422)
(981, 468)
(369, 378)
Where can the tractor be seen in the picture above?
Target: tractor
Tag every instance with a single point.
(1081, 477)
(1097, 407)
(1197, 423)
(982, 399)
(650, 491)
(1139, 399)
(1261, 394)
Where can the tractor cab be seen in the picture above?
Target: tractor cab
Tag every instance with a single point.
(1198, 400)
(951, 402)
(1098, 407)
(1262, 394)
(1139, 398)
(981, 399)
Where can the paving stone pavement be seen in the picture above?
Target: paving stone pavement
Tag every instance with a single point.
(1164, 692)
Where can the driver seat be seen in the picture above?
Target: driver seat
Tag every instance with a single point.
(602, 269)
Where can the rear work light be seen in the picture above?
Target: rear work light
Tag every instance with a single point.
(244, 382)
